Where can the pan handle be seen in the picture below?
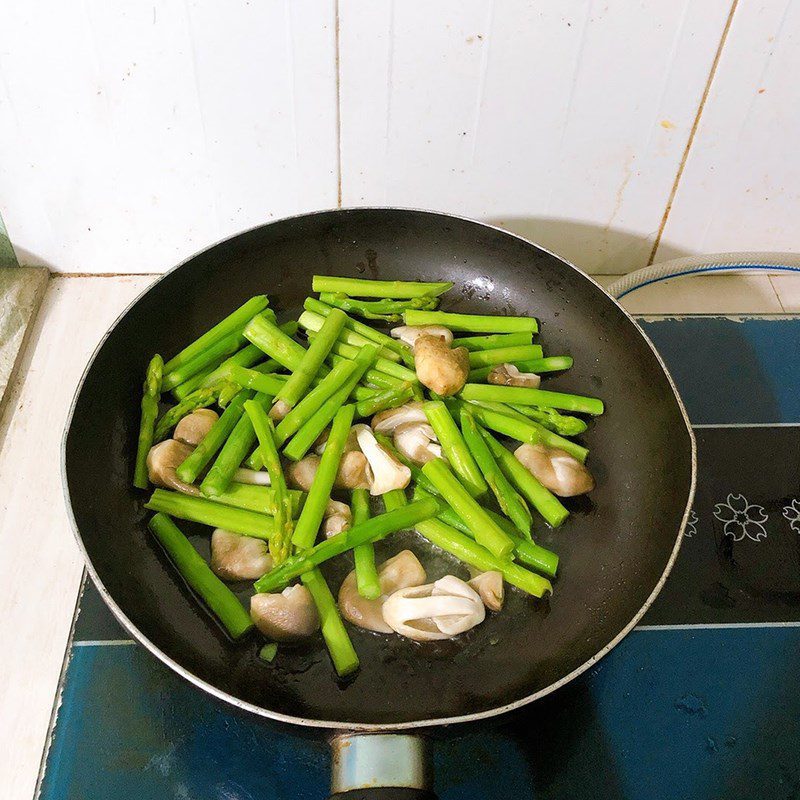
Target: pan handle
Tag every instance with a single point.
(380, 766)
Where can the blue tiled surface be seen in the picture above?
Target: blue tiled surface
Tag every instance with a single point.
(671, 713)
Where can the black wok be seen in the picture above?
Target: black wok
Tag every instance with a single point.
(616, 549)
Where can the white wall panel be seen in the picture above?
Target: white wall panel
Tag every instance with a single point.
(740, 189)
(133, 134)
(563, 121)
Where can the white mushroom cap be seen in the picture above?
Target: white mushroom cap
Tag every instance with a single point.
(194, 427)
(417, 442)
(509, 375)
(442, 369)
(239, 558)
(555, 469)
(387, 472)
(489, 585)
(337, 518)
(387, 421)
(410, 333)
(437, 610)
(285, 617)
(398, 572)
(162, 462)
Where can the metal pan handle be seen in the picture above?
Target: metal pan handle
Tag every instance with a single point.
(380, 766)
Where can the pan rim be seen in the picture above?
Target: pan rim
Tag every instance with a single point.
(373, 727)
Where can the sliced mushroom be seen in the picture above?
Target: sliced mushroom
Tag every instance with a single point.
(279, 410)
(353, 472)
(509, 375)
(437, 610)
(285, 617)
(489, 585)
(387, 472)
(239, 558)
(322, 440)
(417, 442)
(555, 469)
(192, 429)
(398, 572)
(442, 369)
(387, 421)
(252, 476)
(337, 518)
(410, 333)
(162, 461)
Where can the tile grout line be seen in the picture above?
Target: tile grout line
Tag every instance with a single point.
(777, 293)
(692, 133)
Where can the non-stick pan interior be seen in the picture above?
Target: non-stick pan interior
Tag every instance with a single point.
(614, 547)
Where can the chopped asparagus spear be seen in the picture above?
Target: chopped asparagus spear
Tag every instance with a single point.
(201, 398)
(364, 555)
(504, 355)
(537, 365)
(266, 335)
(523, 396)
(385, 309)
(258, 498)
(211, 357)
(268, 652)
(477, 323)
(389, 398)
(198, 575)
(363, 287)
(312, 322)
(150, 396)
(494, 340)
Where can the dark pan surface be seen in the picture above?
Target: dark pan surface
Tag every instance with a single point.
(614, 549)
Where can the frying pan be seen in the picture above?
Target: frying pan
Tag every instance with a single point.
(616, 548)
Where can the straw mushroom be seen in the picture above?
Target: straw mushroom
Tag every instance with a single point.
(285, 617)
(322, 440)
(387, 472)
(398, 572)
(555, 469)
(162, 462)
(194, 427)
(337, 518)
(387, 421)
(489, 585)
(509, 375)
(410, 333)
(353, 472)
(239, 558)
(417, 442)
(438, 610)
(439, 367)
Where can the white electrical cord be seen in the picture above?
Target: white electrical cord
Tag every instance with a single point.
(697, 265)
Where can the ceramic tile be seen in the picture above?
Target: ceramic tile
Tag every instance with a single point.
(788, 290)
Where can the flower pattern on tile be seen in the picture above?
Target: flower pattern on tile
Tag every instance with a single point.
(792, 513)
(741, 519)
(691, 525)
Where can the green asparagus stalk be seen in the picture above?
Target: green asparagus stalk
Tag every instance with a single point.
(267, 336)
(231, 324)
(310, 431)
(233, 452)
(528, 431)
(200, 398)
(150, 396)
(314, 400)
(313, 358)
(363, 287)
(494, 341)
(342, 652)
(364, 555)
(372, 376)
(207, 512)
(454, 447)
(472, 553)
(523, 396)
(254, 379)
(546, 503)
(525, 551)
(553, 420)
(281, 540)
(246, 357)
(477, 323)
(384, 310)
(537, 365)
(211, 357)
(389, 398)
(368, 332)
(214, 439)
(511, 503)
(199, 577)
(486, 530)
(381, 364)
(227, 391)
(370, 531)
(394, 499)
(314, 509)
(504, 355)
(258, 498)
